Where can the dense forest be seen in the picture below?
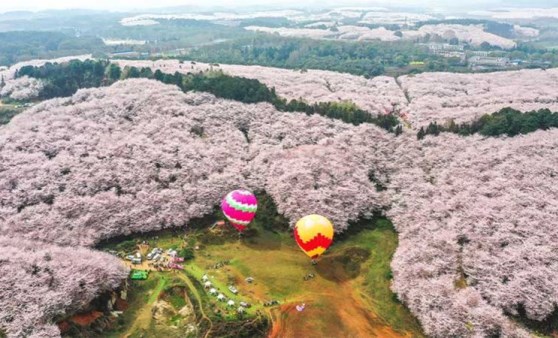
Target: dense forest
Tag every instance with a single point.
(507, 121)
(53, 39)
(61, 80)
(370, 58)
(213, 42)
(19, 46)
(177, 33)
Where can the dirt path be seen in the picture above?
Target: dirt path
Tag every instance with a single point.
(341, 314)
(199, 300)
(143, 318)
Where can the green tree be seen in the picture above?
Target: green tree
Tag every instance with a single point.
(114, 72)
(421, 133)
(187, 253)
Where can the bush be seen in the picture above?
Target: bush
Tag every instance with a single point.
(127, 246)
(186, 253)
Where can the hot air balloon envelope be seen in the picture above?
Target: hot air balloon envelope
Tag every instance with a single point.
(313, 234)
(239, 206)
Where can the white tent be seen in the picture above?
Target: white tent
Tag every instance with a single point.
(241, 309)
(207, 284)
(230, 303)
(221, 297)
(205, 278)
(212, 291)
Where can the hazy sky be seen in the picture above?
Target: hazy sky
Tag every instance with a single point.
(8, 5)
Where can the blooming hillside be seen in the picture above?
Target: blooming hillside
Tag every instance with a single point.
(379, 95)
(432, 96)
(477, 224)
(476, 216)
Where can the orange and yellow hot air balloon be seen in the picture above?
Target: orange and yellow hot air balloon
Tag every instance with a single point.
(313, 234)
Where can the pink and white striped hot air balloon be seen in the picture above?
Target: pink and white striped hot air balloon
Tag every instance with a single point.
(239, 206)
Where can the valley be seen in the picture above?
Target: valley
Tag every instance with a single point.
(346, 294)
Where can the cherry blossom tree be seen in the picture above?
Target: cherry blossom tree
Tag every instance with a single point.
(476, 217)
(23, 88)
(41, 282)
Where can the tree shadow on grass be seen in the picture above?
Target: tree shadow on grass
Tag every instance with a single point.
(343, 266)
(259, 239)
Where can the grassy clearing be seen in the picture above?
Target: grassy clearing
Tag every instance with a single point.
(382, 242)
(140, 295)
(349, 295)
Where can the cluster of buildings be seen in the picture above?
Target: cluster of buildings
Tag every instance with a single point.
(489, 62)
(447, 50)
(475, 60)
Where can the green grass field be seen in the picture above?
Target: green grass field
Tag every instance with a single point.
(349, 295)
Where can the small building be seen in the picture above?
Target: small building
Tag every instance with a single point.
(233, 289)
(212, 291)
(230, 303)
(249, 279)
(444, 47)
(136, 260)
(245, 305)
(489, 61)
(479, 53)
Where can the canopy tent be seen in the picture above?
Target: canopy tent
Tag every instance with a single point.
(139, 274)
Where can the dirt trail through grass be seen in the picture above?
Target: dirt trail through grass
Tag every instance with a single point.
(194, 291)
(143, 317)
(340, 313)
